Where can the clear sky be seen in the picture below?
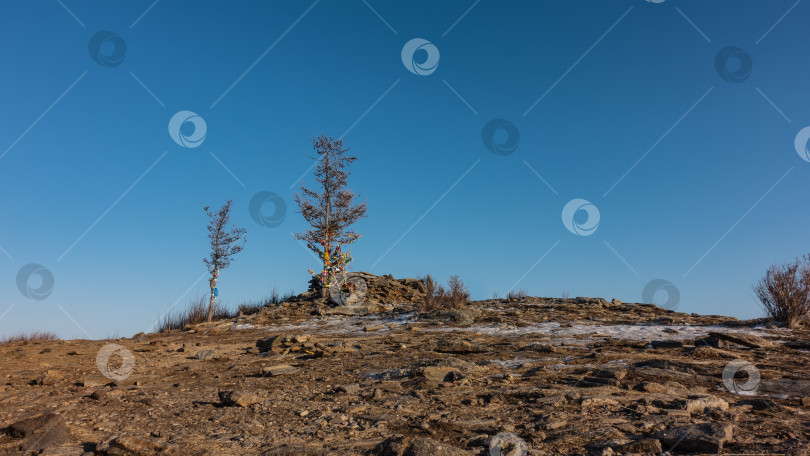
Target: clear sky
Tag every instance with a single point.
(673, 122)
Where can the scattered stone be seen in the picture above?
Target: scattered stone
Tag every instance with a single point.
(206, 354)
(352, 388)
(440, 374)
(806, 401)
(642, 446)
(706, 437)
(280, 369)
(130, 445)
(238, 398)
(65, 450)
(666, 344)
(421, 446)
(40, 432)
(91, 383)
(703, 404)
(48, 378)
(458, 346)
(593, 402)
(749, 340)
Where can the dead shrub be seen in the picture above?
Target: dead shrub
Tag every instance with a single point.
(784, 292)
(516, 294)
(455, 296)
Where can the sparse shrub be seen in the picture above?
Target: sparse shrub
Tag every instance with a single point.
(564, 295)
(785, 292)
(516, 294)
(196, 312)
(437, 297)
(29, 337)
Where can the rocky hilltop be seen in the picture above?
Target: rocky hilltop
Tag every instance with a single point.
(378, 376)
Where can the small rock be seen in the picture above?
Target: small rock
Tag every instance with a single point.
(422, 446)
(238, 398)
(98, 395)
(806, 401)
(706, 437)
(593, 402)
(439, 374)
(130, 445)
(40, 432)
(749, 340)
(701, 404)
(642, 446)
(48, 378)
(280, 369)
(352, 388)
(206, 354)
(666, 344)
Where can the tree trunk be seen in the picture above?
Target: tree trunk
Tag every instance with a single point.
(213, 284)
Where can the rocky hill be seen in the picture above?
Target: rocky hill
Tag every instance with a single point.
(376, 376)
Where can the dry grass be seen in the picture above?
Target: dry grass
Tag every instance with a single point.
(195, 313)
(251, 307)
(516, 294)
(29, 337)
(785, 292)
(437, 297)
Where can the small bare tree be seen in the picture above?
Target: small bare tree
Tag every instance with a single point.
(331, 211)
(785, 292)
(225, 243)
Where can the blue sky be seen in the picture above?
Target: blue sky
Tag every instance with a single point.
(695, 177)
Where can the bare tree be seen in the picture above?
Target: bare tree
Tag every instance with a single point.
(225, 243)
(331, 211)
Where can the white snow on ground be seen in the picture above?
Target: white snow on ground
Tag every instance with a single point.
(577, 334)
(621, 331)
